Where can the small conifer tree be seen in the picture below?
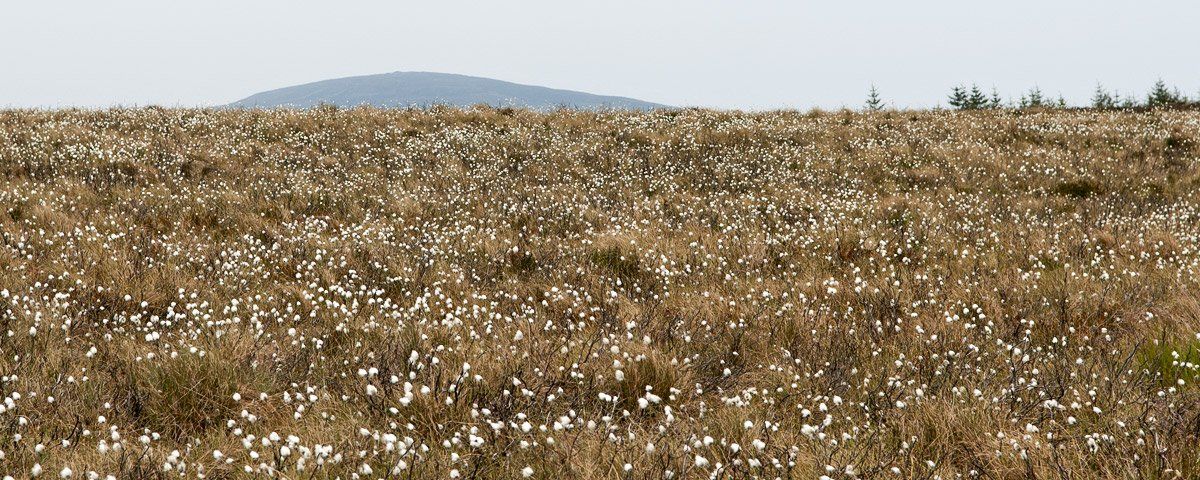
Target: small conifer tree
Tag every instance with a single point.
(958, 97)
(1102, 99)
(1034, 99)
(874, 101)
(1129, 102)
(1161, 96)
(995, 102)
(976, 99)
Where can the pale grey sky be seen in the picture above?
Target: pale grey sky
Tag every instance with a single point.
(727, 54)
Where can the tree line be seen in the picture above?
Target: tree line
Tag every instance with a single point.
(974, 98)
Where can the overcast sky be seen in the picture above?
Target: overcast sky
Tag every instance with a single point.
(727, 54)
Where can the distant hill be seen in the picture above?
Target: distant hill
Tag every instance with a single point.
(422, 89)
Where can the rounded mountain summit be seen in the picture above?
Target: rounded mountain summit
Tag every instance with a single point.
(423, 89)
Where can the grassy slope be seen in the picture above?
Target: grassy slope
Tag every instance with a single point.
(938, 293)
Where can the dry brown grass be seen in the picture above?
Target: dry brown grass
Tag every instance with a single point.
(889, 295)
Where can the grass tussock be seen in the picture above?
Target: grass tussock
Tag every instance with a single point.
(185, 396)
(499, 293)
